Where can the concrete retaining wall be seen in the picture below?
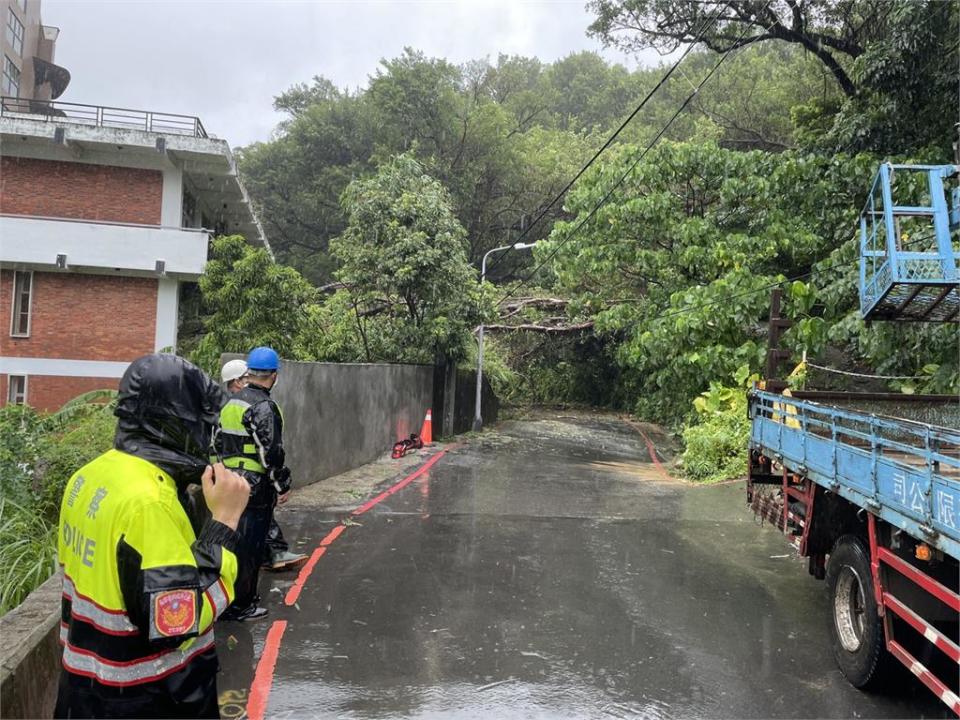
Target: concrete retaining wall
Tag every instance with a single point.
(456, 393)
(30, 654)
(338, 416)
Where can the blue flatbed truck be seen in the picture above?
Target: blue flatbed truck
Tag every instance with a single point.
(867, 486)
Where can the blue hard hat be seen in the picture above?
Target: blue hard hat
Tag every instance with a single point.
(263, 358)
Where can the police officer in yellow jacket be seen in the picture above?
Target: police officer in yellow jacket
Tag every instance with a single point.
(140, 590)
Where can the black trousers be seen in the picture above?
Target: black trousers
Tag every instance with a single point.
(276, 543)
(252, 529)
(81, 697)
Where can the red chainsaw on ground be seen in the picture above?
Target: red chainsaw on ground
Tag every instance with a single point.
(402, 447)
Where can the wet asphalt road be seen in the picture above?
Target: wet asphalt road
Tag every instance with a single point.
(552, 572)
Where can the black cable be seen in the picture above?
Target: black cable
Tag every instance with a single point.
(609, 141)
(623, 177)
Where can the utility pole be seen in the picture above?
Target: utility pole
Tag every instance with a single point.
(477, 417)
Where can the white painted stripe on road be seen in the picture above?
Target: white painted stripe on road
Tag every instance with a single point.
(61, 367)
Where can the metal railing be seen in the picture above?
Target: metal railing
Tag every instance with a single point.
(102, 116)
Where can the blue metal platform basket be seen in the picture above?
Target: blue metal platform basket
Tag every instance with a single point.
(910, 245)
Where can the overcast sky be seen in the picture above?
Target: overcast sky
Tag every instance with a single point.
(224, 61)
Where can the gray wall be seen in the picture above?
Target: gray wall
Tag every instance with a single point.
(455, 391)
(30, 653)
(338, 416)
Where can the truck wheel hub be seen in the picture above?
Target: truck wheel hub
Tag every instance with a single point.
(849, 608)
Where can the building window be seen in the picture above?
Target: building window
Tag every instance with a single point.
(11, 78)
(22, 292)
(15, 32)
(16, 389)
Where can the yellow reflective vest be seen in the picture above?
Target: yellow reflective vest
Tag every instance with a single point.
(140, 590)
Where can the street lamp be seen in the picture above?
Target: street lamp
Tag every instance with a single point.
(477, 418)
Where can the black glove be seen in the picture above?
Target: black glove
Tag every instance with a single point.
(282, 480)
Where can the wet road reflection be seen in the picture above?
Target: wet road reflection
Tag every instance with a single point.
(549, 571)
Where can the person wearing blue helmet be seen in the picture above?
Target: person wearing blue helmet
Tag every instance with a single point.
(277, 556)
(250, 441)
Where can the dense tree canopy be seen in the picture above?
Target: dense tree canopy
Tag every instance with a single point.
(833, 31)
(676, 267)
(895, 61)
(502, 137)
(384, 195)
(249, 300)
(408, 292)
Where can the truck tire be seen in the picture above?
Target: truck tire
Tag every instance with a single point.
(856, 627)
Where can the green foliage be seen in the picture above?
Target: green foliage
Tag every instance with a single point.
(503, 137)
(716, 440)
(28, 551)
(249, 300)
(833, 31)
(676, 266)
(503, 378)
(715, 446)
(889, 66)
(67, 446)
(907, 83)
(38, 455)
(20, 430)
(409, 294)
(477, 128)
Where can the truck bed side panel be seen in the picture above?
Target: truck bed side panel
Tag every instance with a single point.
(905, 472)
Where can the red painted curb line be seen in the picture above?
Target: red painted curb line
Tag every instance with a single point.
(293, 594)
(400, 485)
(653, 452)
(332, 535)
(263, 679)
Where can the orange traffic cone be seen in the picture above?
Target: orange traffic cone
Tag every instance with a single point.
(426, 432)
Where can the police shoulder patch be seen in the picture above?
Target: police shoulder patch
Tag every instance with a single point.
(174, 613)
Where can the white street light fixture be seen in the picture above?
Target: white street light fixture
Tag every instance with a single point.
(477, 417)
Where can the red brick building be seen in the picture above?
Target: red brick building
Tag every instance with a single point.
(104, 216)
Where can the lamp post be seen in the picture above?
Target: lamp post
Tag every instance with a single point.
(477, 417)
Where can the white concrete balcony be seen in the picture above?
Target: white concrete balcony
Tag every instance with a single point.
(51, 243)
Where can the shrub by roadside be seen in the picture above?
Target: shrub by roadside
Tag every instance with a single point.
(716, 443)
(38, 454)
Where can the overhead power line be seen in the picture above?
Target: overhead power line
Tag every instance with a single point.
(629, 170)
(559, 196)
